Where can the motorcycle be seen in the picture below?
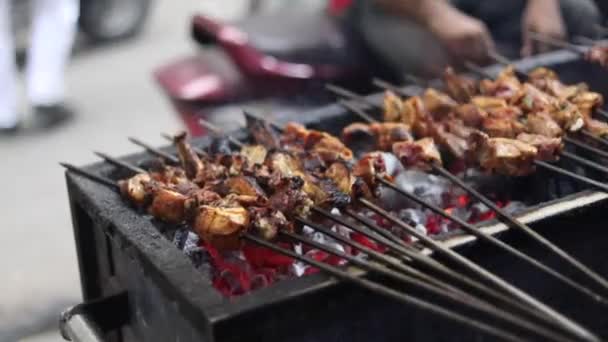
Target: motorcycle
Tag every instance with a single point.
(280, 60)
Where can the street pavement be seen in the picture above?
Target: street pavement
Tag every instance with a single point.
(113, 91)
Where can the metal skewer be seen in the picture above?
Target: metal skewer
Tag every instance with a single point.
(154, 150)
(584, 162)
(215, 128)
(379, 288)
(385, 291)
(503, 216)
(437, 291)
(557, 43)
(130, 167)
(469, 228)
(197, 150)
(562, 321)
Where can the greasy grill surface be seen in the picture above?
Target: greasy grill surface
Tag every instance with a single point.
(121, 250)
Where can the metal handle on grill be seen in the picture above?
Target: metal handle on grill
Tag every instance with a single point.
(87, 322)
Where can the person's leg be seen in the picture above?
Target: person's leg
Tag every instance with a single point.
(54, 28)
(403, 45)
(8, 78)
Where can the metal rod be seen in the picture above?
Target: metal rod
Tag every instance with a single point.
(389, 86)
(469, 228)
(155, 151)
(260, 118)
(503, 216)
(560, 320)
(96, 178)
(337, 90)
(497, 57)
(592, 137)
(416, 80)
(602, 112)
(197, 150)
(585, 162)
(432, 264)
(586, 147)
(120, 163)
(215, 129)
(358, 111)
(555, 42)
(582, 179)
(476, 69)
(467, 300)
(385, 291)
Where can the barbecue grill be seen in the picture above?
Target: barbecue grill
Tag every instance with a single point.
(138, 286)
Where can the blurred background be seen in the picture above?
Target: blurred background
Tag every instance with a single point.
(112, 90)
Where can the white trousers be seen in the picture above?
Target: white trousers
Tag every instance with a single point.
(53, 29)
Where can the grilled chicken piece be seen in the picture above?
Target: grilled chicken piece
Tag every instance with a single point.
(460, 88)
(190, 161)
(503, 122)
(135, 189)
(470, 114)
(598, 54)
(488, 102)
(503, 156)
(268, 222)
(393, 107)
(328, 147)
(505, 86)
(596, 127)
(587, 102)
(548, 148)
(568, 117)
(548, 81)
(459, 128)
(369, 167)
(437, 103)
(254, 154)
(341, 176)
(290, 196)
(420, 154)
(502, 126)
(384, 133)
(542, 123)
(222, 226)
(168, 205)
(454, 144)
(243, 185)
(532, 99)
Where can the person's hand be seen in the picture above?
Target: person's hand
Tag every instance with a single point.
(543, 17)
(464, 37)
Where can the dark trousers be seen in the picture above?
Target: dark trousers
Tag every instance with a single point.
(405, 46)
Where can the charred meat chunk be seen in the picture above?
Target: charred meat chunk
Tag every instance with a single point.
(222, 226)
(460, 88)
(420, 154)
(548, 148)
(504, 156)
(190, 161)
(385, 134)
(505, 86)
(542, 123)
